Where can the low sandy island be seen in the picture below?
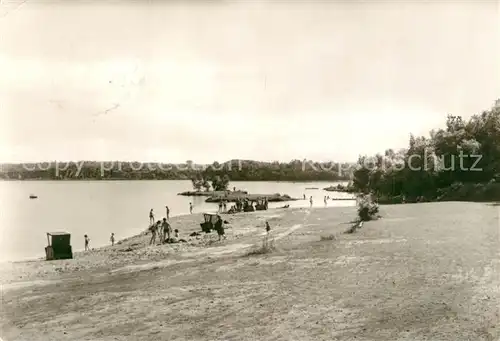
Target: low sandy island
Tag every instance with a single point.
(340, 188)
(210, 193)
(233, 196)
(423, 272)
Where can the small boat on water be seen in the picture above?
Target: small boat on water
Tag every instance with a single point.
(32, 196)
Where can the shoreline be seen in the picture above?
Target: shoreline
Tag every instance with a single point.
(243, 231)
(98, 248)
(173, 218)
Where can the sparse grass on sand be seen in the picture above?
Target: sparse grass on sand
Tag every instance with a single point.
(328, 237)
(266, 247)
(422, 272)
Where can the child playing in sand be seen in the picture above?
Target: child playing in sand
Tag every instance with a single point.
(175, 238)
(112, 239)
(87, 241)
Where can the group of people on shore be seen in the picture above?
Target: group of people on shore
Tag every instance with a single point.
(162, 228)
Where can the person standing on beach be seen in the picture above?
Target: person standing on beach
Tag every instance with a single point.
(311, 201)
(219, 227)
(154, 229)
(268, 229)
(151, 217)
(87, 241)
(224, 205)
(325, 200)
(168, 212)
(167, 230)
(112, 239)
(190, 208)
(159, 229)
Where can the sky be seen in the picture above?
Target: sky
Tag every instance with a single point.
(220, 80)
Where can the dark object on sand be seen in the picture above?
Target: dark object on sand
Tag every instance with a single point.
(209, 224)
(213, 221)
(261, 205)
(286, 206)
(248, 206)
(59, 246)
(195, 234)
(32, 196)
(174, 241)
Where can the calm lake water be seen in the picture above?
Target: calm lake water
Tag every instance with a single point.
(98, 208)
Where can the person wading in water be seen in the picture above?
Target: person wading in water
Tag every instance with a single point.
(168, 212)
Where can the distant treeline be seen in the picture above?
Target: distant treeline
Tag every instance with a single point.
(461, 161)
(237, 170)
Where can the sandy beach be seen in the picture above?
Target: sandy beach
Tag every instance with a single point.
(422, 272)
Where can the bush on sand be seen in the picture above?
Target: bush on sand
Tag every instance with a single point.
(266, 247)
(367, 209)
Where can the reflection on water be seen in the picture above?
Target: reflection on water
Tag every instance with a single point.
(98, 208)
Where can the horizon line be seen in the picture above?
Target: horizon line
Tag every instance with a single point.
(171, 162)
